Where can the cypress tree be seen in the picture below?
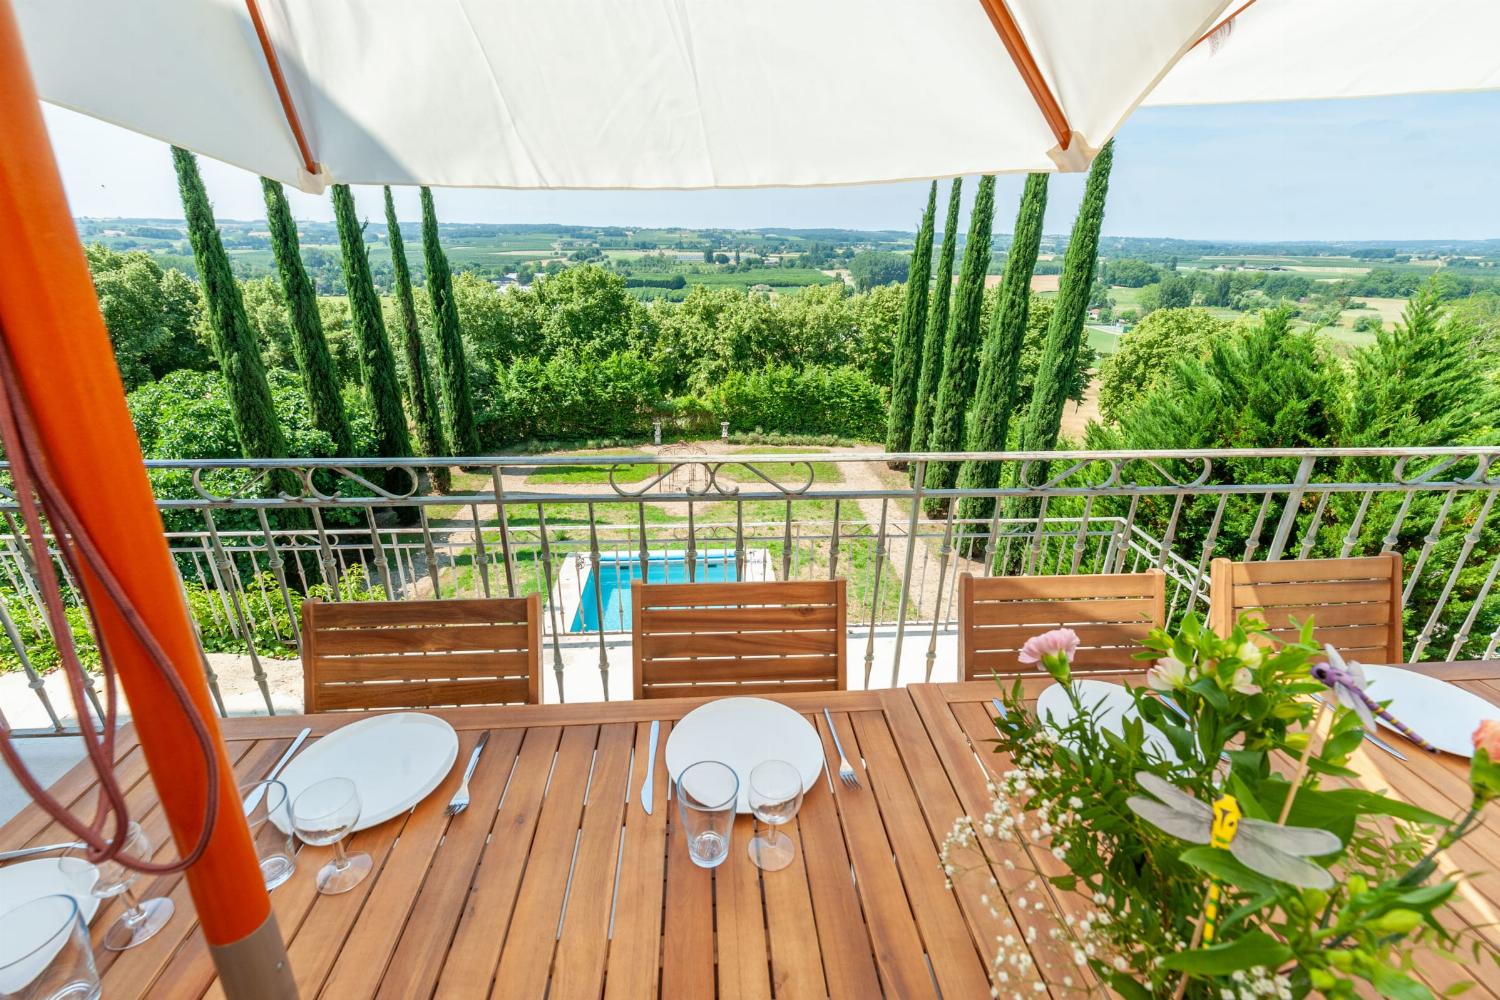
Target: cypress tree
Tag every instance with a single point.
(961, 348)
(319, 382)
(234, 343)
(1000, 358)
(453, 374)
(1065, 332)
(377, 365)
(419, 392)
(905, 366)
(937, 326)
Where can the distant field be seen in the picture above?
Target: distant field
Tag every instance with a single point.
(1314, 264)
(1104, 340)
(1389, 310)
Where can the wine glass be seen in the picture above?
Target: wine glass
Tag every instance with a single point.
(324, 813)
(142, 917)
(775, 797)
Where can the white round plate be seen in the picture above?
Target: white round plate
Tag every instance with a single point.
(1114, 706)
(24, 881)
(394, 760)
(1443, 714)
(744, 732)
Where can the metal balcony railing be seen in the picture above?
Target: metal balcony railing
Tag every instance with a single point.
(252, 538)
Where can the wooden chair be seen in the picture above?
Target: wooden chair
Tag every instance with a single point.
(1355, 604)
(738, 638)
(421, 654)
(1111, 613)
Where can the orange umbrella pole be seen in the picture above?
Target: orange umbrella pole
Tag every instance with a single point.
(65, 394)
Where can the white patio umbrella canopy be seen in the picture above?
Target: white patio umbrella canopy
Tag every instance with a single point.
(708, 93)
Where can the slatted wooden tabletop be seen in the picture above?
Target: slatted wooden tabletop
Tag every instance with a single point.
(556, 880)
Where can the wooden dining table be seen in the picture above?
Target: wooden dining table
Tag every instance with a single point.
(556, 882)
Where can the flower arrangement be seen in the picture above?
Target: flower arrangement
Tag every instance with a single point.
(1248, 867)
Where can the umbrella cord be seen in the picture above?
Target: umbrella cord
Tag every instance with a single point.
(105, 835)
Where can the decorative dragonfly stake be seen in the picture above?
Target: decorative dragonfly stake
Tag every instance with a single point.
(1278, 852)
(1347, 682)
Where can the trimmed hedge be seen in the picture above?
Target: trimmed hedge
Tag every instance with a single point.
(813, 400)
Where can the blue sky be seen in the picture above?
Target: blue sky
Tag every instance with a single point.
(1424, 167)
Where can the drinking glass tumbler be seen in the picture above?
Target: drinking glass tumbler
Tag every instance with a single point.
(707, 793)
(45, 952)
(142, 917)
(270, 822)
(775, 796)
(324, 814)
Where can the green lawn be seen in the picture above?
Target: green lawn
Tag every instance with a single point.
(594, 474)
(787, 473)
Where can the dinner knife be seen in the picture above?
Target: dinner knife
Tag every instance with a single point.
(1371, 737)
(999, 708)
(647, 787)
(253, 799)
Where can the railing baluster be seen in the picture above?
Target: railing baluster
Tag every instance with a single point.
(1034, 550)
(739, 539)
(227, 570)
(1206, 555)
(1293, 507)
(786, 544)
(481, 556)
(34, 680)
(1310, 537)
(1253, 542)
(833, 545)
(1394, 534)
(507, 555)
(278, 570)
(1127, 532)
(875, 592)
(552, 611)
(1352, 538)
(1082, 539)
(1471, 538)
(937, 612)
(378, 554)
(692, 545)
(1428, 541)
(598, 567)
(431, 553)
(919, 474)
(1479, 599)
(328, 562)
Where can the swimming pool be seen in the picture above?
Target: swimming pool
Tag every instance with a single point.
(612, 578)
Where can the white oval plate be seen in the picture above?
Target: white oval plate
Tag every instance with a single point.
(744, 732)
(1443, 714)
(1114, 706)
(394, 760)
(24, 881)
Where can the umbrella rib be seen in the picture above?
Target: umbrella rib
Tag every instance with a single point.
(309, 162)
(1210, 32)
(1020, 54)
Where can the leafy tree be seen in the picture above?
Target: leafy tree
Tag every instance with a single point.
(377, 364)
(870, 268)
(1065, 336)
(961, 349)
(1128, 272)
(1148, 352)
(320, 383)
(906, 365)
(255, 422)
(452, 366)
(424, 405)
(154, 316)
(995, 393)
(936, 332)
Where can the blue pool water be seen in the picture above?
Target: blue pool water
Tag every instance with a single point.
(612, 578)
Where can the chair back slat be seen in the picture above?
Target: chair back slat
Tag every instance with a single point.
(420, 654)
(713, 639)
(1355, 604)
(1112, 613)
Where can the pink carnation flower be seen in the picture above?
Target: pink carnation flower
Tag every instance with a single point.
(1487, 738)
(1059, 640)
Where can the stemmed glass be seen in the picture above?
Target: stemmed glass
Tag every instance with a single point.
(324, 813)
(775, 796)
(142, 917)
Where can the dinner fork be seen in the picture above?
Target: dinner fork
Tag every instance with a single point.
(460, 800)
(846, 770)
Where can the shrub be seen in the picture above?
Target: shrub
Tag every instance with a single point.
(814, 400)
(574, 395)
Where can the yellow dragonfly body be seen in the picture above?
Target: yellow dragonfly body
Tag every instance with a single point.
(1226, 824)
